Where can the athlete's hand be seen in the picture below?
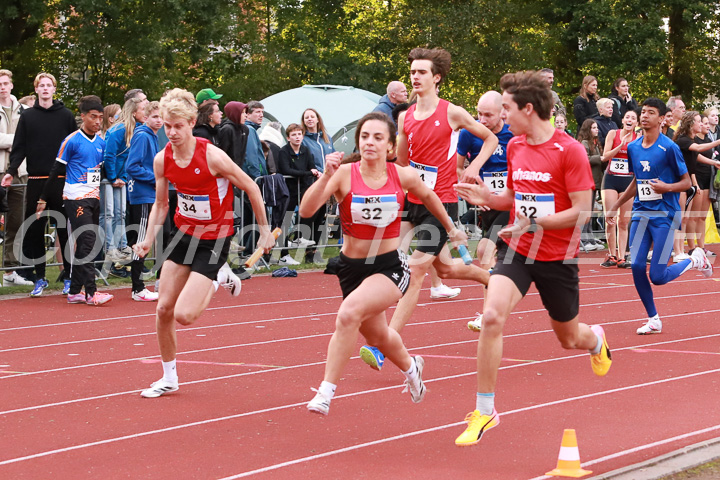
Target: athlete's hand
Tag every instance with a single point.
(626, 139)
(7, 180)
(142, 248)
(521, 225)
(332, 162)
(39, 209)
(659, 186)
(611, 216)
(470, 175)
(457, 237)
(476, 193)
(266, 240)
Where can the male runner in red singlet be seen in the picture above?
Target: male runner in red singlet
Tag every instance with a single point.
(427, 141)
(549, 186)
(203, 176)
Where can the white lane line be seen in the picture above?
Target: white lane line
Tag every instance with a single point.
(346, 449)
(269, 320)
(334, 297)
(422, 348)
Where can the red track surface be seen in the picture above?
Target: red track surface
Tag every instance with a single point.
(70, 377)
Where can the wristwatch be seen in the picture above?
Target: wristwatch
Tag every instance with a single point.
(533, 226)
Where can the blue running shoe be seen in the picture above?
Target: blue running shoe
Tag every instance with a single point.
(373, 357)
(66, 287)
(40, 285)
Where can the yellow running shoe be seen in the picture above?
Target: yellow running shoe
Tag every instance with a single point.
(477, 425)
(602, 361)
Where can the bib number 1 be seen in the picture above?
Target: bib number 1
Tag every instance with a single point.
(428, 174)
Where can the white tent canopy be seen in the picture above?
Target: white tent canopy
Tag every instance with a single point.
(339, 106)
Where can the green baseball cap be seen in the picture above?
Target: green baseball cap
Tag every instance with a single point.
(206, 94)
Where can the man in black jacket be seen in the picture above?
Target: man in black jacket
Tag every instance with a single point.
(39, 133)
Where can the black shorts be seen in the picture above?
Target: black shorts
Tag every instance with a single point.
(619, 183)
(430, 233)
(352, 271)
(704, 179)
(557, 282)
(492, 222)
(202, 256)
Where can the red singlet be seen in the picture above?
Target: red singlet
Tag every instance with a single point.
(366, 213)
(432, 145)
(205, 202)
(542, 176)
(619, 165)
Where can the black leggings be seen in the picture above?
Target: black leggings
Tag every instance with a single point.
(34, 234)
(84, 219)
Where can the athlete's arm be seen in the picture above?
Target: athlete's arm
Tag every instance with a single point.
(479, 194)
(609, 152)
(402, 145)
(329, 183)
(160, 207)
(576, 215)
(680, 186)
(221, 165)
(410, 181)
(459, 118)
(624, 197)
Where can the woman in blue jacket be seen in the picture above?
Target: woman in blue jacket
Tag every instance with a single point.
(319, 144)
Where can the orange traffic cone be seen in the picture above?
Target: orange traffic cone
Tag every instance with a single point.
(568, 464)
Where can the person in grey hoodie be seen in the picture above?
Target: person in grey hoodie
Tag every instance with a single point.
(396, 94)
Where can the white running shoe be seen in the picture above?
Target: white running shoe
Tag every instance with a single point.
(319, 403)
(301, 243)
(228, 280)
(443, 292)
(15, 279)
(161, 387)
(653, 325)
(416, 387)
(475, 325)
(288, 260)
(701, 262)
(145, 296)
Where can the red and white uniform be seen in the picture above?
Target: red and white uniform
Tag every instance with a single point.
(541, 177)
(369, 214)
(205, 202)
(619, 164)
(432, 145)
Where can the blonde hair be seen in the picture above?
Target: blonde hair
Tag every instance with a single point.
(151, 107)
(110, 112)
(603, 102)
(127, 117)
(5, 72)
(180, 103)
(42, 75)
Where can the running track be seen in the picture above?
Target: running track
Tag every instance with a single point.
(70, 377)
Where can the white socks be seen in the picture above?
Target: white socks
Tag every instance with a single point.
(485, 403)
(170, 371)
(327, 389)
(412, 373)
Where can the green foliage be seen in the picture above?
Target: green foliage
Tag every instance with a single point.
(249, 49)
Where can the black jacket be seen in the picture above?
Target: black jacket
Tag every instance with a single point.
(296, 165)
(620, 107)
(583, 109)
(605, 124)
(208, 132)
(38, 136)
(232, 139)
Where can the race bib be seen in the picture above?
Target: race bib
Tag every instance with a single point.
(495, 181)
(646, 192)
(93, 177)
(535, 205)
(194, 206)
(619, 166)
(376, 210)
(427, 173)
